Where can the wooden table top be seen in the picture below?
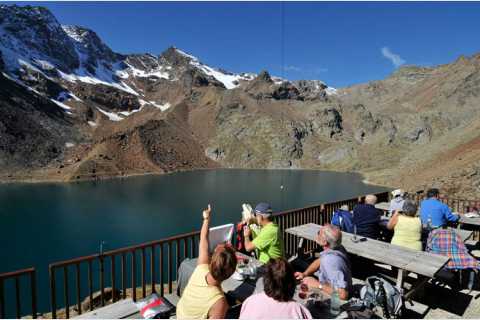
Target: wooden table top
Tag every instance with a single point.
(419, 262)
(383, 206)
(475, 221)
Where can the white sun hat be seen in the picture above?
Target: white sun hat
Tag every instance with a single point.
(397, 192)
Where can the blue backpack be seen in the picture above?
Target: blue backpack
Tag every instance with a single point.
(343, 220)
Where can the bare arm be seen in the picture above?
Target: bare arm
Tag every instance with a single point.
(203, 257)
(219, 309)
(393, 221)
(312, 268)
(249, 245)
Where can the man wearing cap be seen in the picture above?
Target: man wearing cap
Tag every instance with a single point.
(396, 204)
(269, 241)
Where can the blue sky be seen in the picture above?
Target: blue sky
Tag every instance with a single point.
(340, 43)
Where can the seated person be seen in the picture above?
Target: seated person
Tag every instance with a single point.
(248, 220)
(447, 242)
(367, 218)
(269, 241)
(203, 296)
(407, 227)
(434, 211)
(333, 266)
(343, 219)
(397, 202)
(276, 302)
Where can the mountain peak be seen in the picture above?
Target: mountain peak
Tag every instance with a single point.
(264, 76)
(93, 52)
(177, 57)
(33, 33)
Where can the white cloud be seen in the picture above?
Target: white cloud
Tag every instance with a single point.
(307, 70)
(393, 57)
(292, 68)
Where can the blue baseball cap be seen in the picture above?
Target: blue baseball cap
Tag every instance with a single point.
(263, 209)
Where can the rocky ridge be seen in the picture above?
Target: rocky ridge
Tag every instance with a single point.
(77, 110)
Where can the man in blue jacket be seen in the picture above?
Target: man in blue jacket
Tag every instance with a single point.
(367, 218)
(434, 211)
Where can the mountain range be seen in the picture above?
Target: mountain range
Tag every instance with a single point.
(73, 109)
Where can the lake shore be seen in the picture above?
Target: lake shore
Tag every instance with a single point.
(37, 178)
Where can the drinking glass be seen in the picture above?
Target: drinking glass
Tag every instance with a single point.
(303, 291)
(354, 238)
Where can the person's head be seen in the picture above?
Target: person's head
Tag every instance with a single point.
(329, 236)
(264, 213)
(344, 207)
(409, 208)
(370, 199)
(398, 193)
(433, 193)
(279, 280)
(223, 262)
(247, 213)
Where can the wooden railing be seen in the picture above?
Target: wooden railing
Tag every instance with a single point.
(319, 214)
(159, 259)
(83, 276)
(16, 276)
(457, 205)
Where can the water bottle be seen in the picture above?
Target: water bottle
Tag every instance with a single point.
(354, 238)
(335, 301)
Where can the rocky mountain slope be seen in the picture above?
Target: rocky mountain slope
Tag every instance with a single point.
(74, 109)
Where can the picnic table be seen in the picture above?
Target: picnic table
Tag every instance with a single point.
(426, 265)
(384, 206)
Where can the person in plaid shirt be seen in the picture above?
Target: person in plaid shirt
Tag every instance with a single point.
(448, 243)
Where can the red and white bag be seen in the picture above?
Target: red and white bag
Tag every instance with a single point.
(154, 306)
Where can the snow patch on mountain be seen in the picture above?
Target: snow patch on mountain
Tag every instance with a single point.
(61, 105)
(111, 115)
(162, 107)
(159, 73)
(331, 91)
(87, 78)
(229, 80)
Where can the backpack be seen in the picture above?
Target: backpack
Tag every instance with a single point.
(343, 220)
(378, 292)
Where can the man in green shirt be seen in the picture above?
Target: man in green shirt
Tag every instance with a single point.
(268, 242)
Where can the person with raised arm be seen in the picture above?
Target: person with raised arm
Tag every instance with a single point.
(203, 296)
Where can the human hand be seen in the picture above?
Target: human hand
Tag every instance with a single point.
(247, 232)
(206, 213)
(299, 275)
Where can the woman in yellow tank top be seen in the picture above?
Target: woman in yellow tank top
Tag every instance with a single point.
(203, 296)
(407, 227)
